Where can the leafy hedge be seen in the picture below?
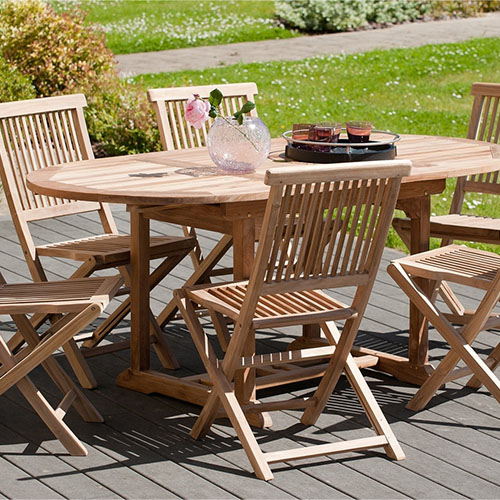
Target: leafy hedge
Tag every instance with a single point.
(343, 15)
(15, 85)
(56, 53)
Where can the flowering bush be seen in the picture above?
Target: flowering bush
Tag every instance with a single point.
(56, 51)
(322, 15)
(60, 55)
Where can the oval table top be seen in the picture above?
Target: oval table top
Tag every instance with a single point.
(189, 176)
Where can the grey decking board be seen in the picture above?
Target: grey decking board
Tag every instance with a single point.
(17, 484)
(374, 465)
(243, 460)
(448, 446)
(37, 464)
(382, 324)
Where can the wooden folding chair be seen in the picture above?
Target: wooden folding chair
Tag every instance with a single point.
(324, 227)
(484, 125)
(176, 133)
(454, 264)
(51, 131)
(76, 303)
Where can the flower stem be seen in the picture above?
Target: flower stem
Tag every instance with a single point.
(229, 122)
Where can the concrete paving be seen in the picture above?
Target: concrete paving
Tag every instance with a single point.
(400, 36)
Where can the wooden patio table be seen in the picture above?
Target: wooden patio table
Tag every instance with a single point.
(184, 187)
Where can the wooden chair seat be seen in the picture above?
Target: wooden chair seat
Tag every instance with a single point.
(77, 303)
(107, 249)
(272, 310)
(466, 266)
(53, 296)
(341, 216)
(459, 226)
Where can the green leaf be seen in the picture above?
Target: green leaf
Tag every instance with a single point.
(213, 112)
(215, 97)
(247, 107)
(238, 116)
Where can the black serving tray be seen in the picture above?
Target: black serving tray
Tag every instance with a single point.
(341, 153)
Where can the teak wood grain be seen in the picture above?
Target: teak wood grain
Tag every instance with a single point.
(183, 187)
(188, 177)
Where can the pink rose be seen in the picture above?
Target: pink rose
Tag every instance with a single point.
(196, 112)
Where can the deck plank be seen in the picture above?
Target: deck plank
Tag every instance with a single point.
(144, 450)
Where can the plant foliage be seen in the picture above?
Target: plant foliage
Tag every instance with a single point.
(59, 54)
(15, 86)
(343, 15)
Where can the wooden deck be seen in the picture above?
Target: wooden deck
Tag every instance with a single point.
(143, 450)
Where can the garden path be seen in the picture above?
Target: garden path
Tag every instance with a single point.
(399, 36)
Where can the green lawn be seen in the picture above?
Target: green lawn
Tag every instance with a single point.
(423, 91)
(147, 25)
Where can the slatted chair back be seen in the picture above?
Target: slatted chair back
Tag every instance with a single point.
(484, 125)
(169, 104)
(36, 134)
(324, 227)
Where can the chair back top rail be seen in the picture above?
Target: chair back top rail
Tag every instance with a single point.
(169, 105)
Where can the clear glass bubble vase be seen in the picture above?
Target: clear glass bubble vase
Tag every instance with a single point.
(238, 148)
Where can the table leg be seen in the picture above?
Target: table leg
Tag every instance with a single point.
(139, 291)
(243, 248)
(417, 369)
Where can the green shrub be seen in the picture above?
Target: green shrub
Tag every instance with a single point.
(56, 50)
(59, 54)
(15, 86)
(322, 15)
(396, 11)
(120, 120)
(343, 15)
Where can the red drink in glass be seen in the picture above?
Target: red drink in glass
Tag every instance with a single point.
(358, 131)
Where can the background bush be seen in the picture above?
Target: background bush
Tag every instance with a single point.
(14, 85)
(58, 54)
(342, 15)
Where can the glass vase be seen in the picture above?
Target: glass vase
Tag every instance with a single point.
(238, 148)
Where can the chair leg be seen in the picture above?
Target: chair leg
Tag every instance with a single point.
(53, 419)
(222, 393)
(41, 353)
(333, 372)
(494, 357)
(199, 275)
(221, 329)
(79, 365)
(366, 398)
(108, 324)
(460, 344)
